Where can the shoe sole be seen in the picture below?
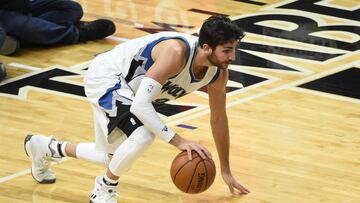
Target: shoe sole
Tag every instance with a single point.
(2, 71)
(50, 181)
(26, 140)
(10, 46)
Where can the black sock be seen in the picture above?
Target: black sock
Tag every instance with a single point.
(108, 183)
(59, 150)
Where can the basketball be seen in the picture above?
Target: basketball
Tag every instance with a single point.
(192, 176)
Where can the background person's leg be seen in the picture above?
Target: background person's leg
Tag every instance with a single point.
(33, 30)
(62, 12)
(8, 44)
(53, 22)
(68, 13)
(2, 36)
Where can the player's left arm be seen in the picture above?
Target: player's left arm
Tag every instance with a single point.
(220, 130)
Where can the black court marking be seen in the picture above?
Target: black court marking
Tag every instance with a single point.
(43, 80)
(251, 2)
(245, 79)
(311, 6)
(344, 83)
(205, 12)
(171, 109)
(278, 50)
(246, 59)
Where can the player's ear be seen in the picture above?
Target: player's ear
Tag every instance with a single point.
(207, 49)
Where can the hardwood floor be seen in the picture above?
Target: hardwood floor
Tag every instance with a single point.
(295, 133)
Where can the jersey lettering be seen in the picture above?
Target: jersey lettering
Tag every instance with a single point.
(173, 89)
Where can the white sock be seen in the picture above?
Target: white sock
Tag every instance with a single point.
(87, 152)
(62, 149)
(55, 148)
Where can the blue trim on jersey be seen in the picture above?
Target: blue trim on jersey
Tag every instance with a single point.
(215, 76)
(147, 51)
(192, 76)
(105, 101)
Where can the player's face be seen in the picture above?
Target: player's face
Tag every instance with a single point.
(223, 54)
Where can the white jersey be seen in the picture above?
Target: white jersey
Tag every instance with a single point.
(113, 78)
(124, 67)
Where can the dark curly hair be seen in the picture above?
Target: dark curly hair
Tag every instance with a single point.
(219, 29)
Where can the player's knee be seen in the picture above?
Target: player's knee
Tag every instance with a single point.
(76, 10)
(130, 150)
(148, 140)
(143, 136)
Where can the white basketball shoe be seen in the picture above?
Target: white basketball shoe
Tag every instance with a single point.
(37, 147)
(103, 193)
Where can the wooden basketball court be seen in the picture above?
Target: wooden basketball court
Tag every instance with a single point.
(293, 105)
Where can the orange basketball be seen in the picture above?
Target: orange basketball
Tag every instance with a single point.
(192, 176)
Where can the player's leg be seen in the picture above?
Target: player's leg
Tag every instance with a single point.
(42, 150)
(116, 108)
(129, 151)
(123, 158)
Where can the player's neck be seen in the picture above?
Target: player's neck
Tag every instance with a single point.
(201, 60)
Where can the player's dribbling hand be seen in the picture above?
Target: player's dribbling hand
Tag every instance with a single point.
(188, 145)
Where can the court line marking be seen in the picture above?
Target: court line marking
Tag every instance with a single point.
(328, 3)
(23, 91)
(81, 66)
(272, 57)
(288, 86)
(23, 66)
(275, 8)
(15, 175)
(69, 79)
(26, 171)
(290, 44)
(119, 39)
(325, 94)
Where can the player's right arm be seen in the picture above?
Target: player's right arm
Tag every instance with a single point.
(189, 145)
(169, 59)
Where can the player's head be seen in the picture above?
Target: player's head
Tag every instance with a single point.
(218, 30)
(219, 38)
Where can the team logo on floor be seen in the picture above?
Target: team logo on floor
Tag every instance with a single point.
(279, 38)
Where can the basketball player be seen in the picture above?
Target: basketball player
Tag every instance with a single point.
(122, 84)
